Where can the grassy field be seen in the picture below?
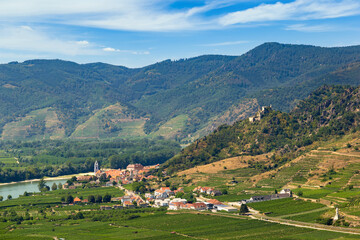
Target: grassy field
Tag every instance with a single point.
(159, 225)
(285, 206)
(307, 217)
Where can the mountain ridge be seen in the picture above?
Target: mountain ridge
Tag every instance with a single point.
(202, 88)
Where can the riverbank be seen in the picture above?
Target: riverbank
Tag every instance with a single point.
(63, 177)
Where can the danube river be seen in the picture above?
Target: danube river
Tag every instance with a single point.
(16, 189)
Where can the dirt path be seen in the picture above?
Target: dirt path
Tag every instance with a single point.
(306, 225)
(337, 153)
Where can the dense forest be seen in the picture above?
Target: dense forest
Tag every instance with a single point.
(328, 112)
(55, 99)
(54, 158)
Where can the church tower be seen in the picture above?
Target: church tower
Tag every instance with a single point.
(96, 167)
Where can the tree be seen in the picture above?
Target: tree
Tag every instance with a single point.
(9, 197)
(45, 189)
(1, 198)
(107, 198)
(300, 194)
(98, 199)
(244, 208)
(91, 199)
(224, 191)
(167, 183)
(276, 191)
(41, 184)
(189, 197)
(59, 186)
(54, 187)
(69, 199)
(179, 194)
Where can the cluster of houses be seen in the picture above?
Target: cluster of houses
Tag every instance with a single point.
(130, 201)
(162, 193)
(133, 173)
(207, 190)
(211, 204)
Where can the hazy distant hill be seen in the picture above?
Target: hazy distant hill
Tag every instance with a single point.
(182, 99)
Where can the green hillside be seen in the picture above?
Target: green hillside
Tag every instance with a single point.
(326, 113)
(205, 89)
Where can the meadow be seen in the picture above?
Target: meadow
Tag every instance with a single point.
(160, 225)
(285, 206)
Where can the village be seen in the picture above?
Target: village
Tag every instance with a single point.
(201, 198)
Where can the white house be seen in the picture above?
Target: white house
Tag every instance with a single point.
(226, 208)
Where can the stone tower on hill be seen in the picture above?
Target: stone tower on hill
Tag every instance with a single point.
(96, 167)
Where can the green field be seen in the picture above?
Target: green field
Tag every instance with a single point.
(159, 225)
(285, 206)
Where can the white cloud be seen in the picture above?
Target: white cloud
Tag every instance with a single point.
(83, 43)
(25, 38)
(296, 10)
(224, 43)
(137, 15)
(310, 28)
(110, 49)
(156, 15)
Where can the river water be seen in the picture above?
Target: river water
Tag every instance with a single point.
(16, 189)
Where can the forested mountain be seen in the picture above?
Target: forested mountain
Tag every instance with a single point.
(184, 99)
(328, 112)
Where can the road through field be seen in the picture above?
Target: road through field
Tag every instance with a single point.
(306, 225)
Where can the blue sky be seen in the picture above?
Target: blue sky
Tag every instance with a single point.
(136, 33)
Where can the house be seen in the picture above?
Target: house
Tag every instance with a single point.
(176, 205)
(77, 200)
(260, 198)
(214, 202)
(149, 195)
(86, 178)
(105, 207)
(85, 201)
(181, 200)
(199, 206)
(134, 167)
(128, 204)
(116, 199)
(209, 205)
(226, 208)
(162, 203)
(126, 198)
(285, 191)
(162, 193)
(207, 190)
